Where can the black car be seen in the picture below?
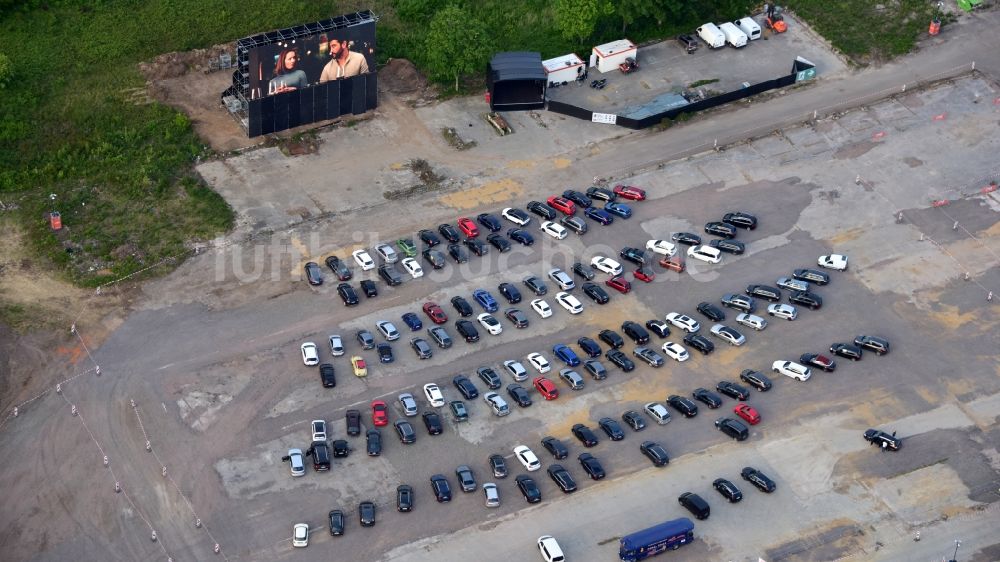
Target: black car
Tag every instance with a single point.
(733, 390)
(633, 255)
(728, 490)
(576, 224)
(490, 377)
(405, 431)
(476, 246)
(339, 268)
(729, 246)
(562, 478)
(389, 274)
(883, 439)
(634, 420)
(528, 489)
(591, 466)
(637, 333)
(457, 253)
(585, 435)
(366, 339)
(510, 292)
(739, 302)
(373, 442)
(326, 375)
(720, 229)
(432, 421)
(462, 306)
(336, 522)
(658, 327)
(516, 317)
(442, 490)
(353, 420)
(542, 210)
(601, 194)
(428, 237)
(584, 270)
(735, 429)
(686, 238)
(711, 312)
(879, 345)
(765, 292)
(535, 285)
(450, 233)
(756, 379)
(519, 394)
(847, 351)
(499, 242)
(740, 219)
(655, 453)
(695, 504)
(313, 273)
(404, 498)
(489, 221)
(366, 512)
(612, 429)
(688, 43)
(699, 342)
(521, 236)
(556, 447)
(812, 276)
(760, 480)
(579, 198)
(707, 397)
(465, 386)
(589, 347)
(384, 351)
(596, 293)
(620, 360)
(498, 465)
(347, 294)
(683, 405)
(368, 288)
(434, 257)
(467, 330)
(805, 298)
(611, 338)
(818, 361)
(421, 348)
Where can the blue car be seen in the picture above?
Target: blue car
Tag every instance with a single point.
(566, 355)
(620, 209)
(485, 300)
(599, 215)
(413, 321)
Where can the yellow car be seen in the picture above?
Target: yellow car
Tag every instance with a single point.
(360, 369)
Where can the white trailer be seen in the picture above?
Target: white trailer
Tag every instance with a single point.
(563, 69)
(608, 56)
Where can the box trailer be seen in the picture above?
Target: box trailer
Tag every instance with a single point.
(566, 68)
(608, 56)
(749, 26)
(669, 535)
(734, 36)
(712, 36)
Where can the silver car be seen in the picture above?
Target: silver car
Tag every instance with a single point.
(793, 284)
(516, 370)
(492, 494)
(785, 311)
(497, 404)
(562, 279)
(388, 329)
(336, 345)
(728, 334)
(752, 321)
(387, 253)
(572, 378)
(408, 403)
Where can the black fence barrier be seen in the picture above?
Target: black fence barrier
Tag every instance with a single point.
(571, 110)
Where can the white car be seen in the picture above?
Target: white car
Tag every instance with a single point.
(297, 462)
(550, 550)
(705, 253)
(728, 334)
(413, 268)
(675, 351)
(318, 430)
(751, 321)
(336, 345)
(684, 322)
(492, 494)
(408, 403)
(516, 370)
(386, 252)
(554, 230)
(541, 307)
(520, 218)
(607, 265)
(433, 394)
(310, 355)
(491, 324)
(527, 458)
(388, 329)
(300, 535)
(364, 260)
(836, 262)
(785, 311)
(658, 412)
(662, 247)
(569, 302)
(539, 362)
(792, 369)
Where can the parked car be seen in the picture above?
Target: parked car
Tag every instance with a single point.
(747, 412)
(457, 253)
(819, 361)
(326, 375)
(812, 276)
(883, 439)
(339, 268)
(635, 331)
(765, 292)
(695, 504)
(546, 388)
(711, 311)
(619, 284)
(756, 379)
(655, 453)
(369, 288)
(611, 428)
(847, 351)
(634, 420)
(684, 322)
(450, 233)
(434, 257)
(600, 216)
(727, 245)
(720, 229)
(466, 479)
(535, 285)
(739, 302)
(389, 274)
(585, 435)
(556, 447)
(707, 397)
(442, 490)
(611, 338)
(727, 334)
(591, 466)
(596, 293)
(620, 360)
(606, 265)
(792, 284)
(562, 478)
(618, 209)
(580, 199)
(760, 480)
(432, 421)
(596, 369)
(405, 432)
(805, 298)
(476, 246)
(727, 490)
(601, 194)
(685, 406)
(751, 321)
(740, 219)
(874, 343)
(519, 394)
(629, 192)
(347, 294)
(733, 428)
(699, 342)
(560, 278)
(467, 330)
(836, 262)
(785, 311)
(465, 386)
(561, 204)
(314, 275)
(516, 216)
(576, 224)
(658, 327)
(658, 412)
(675, 263)
(527, 458)
(686, 238)
(521, 236)
(650, 357)
(633, 255)
(688, 43)
(528, 488)
(440, 337)
(542, 210)
(675, 351)
(792, 369)
(489, 221)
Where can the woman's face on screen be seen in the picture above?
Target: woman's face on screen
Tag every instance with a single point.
(290, 59)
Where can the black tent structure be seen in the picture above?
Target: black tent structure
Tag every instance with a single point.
(516, 81)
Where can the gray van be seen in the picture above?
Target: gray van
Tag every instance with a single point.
(695, 504)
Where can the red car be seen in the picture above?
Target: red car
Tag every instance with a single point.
(380, 413)
(619, 284)
(644, 274)
(630, 192)
(675, 263)
(546, 388)
(434, 312)
(468, 227)
(747, 412)
(561, 204)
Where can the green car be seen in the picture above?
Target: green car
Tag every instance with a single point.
(407, 247)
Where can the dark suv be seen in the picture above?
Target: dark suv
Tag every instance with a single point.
(635, 331)
(467, 330)
(879, 345)
(510, 292)
(611, 338)
(765, 292)
(683, 405)
(756, 379)
(388, 273)
(711, 312)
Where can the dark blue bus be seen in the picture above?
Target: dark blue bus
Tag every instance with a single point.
(669, 535)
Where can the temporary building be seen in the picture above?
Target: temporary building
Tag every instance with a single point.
(609, 55)
(564, 69)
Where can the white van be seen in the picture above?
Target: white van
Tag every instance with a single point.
(734, 36)
(712, 36)
(705, 253)
(748, 26)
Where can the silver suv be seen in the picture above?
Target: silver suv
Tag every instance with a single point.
(572, 378)
(562, 279)
(386, 252)
(497, 404)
